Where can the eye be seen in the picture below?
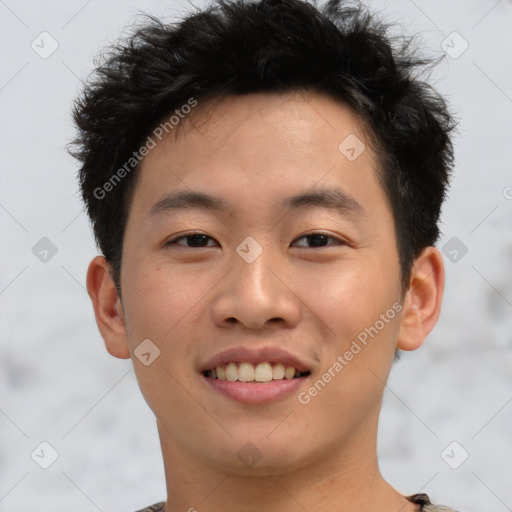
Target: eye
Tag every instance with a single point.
(196, 240)
(321, 240)
(200, 240)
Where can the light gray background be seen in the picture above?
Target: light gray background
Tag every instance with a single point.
(58, 384)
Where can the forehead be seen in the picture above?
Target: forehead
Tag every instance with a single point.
(260, 147)
(307, 120)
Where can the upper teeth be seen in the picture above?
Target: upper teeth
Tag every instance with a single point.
(247, 372)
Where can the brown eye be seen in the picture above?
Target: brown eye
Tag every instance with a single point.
(320, 240)
(191, 241)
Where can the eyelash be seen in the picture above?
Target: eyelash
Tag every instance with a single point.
(174, 241)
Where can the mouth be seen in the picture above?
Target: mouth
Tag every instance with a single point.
(254, 373)
(255, 376)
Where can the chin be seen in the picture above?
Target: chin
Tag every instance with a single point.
(256, 453)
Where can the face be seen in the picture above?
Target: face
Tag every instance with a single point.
(291, 259)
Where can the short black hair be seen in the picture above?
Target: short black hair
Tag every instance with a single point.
(236, 47)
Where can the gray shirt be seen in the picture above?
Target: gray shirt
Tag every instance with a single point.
(420, 499)
(427, 506)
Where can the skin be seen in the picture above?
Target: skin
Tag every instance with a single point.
(253, 151)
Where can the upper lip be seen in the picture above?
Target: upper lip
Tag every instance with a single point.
(255, 356)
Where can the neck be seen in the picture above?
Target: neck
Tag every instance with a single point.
(347, 478)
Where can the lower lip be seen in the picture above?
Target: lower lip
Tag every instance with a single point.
(256, 392)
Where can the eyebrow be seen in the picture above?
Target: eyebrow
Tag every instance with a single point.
(329, 198)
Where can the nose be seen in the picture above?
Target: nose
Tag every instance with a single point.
(255, 294)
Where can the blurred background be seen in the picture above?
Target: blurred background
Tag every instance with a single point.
(446, 425)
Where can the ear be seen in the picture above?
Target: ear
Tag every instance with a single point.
(422, 302)
(107, 307)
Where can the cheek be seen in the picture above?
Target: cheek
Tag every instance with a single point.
(159, 301)
(161, 306)
(358, 345)
(349, 296)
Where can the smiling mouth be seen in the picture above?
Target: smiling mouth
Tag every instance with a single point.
(250, 373)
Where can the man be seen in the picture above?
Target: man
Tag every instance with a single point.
(265, 181)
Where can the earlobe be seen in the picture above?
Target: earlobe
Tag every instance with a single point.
(422, 303)
(107, 308)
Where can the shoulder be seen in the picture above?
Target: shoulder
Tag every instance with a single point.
(157, 507)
